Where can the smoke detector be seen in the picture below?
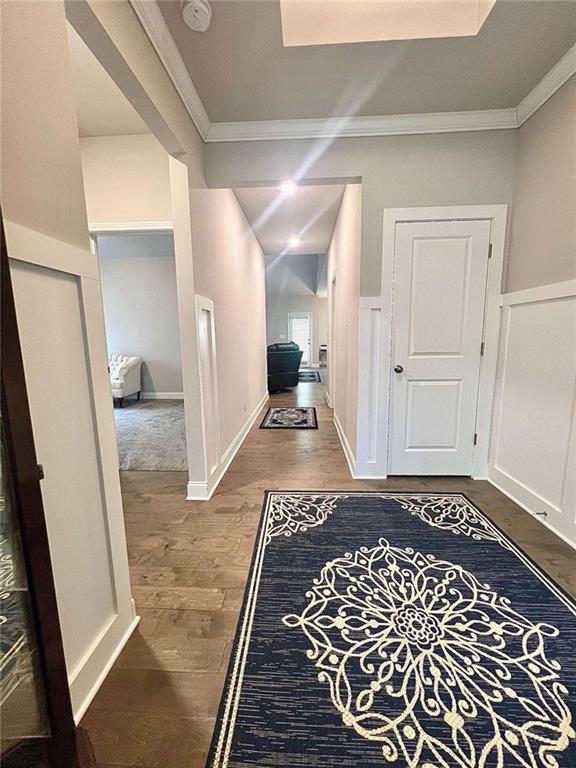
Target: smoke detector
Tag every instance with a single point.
(197, 14)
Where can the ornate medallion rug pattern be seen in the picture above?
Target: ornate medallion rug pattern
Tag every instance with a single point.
(404, 630)
(309, 376)
(290, 418)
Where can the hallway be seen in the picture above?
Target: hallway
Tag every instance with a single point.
(189, 563)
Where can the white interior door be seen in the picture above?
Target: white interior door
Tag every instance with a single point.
(440, 270)
(300, 331)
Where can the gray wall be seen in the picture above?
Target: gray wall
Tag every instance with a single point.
(396, 171)
(344, 267)
(229, 270)
(139, 290)
(291, 284)
(543, 230)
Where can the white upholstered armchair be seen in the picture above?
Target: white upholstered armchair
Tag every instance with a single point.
(124, 376)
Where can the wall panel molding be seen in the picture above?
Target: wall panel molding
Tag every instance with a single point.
(371, 460)
(56, 289)
(533, 445)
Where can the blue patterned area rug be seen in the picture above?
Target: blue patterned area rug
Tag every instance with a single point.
(402, 630)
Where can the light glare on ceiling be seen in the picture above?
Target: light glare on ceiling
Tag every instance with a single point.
(288, 186)
(294, 241)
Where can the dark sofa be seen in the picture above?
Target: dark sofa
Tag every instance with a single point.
(283, 365)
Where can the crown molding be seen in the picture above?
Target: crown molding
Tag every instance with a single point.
(363, 126)
(133, 227)
(560, 73)
(151, 18)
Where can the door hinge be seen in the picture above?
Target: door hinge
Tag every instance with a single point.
(482, 349)
(490, 251)
(40, 472)
(475, 437)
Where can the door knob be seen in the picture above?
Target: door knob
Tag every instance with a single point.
(398, 368)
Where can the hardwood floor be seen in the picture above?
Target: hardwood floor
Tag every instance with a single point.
(189, 563)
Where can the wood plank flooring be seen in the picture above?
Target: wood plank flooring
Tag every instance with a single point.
(189, 564)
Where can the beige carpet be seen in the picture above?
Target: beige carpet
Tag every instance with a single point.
(151, 435)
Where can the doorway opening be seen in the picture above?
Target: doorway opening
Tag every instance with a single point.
(294, 224)
(300, 331)
(126, 173)
(138, 280)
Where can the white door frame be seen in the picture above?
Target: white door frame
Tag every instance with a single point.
(310, 316)
(375, 339)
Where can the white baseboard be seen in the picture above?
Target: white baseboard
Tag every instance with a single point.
(200, 491)
(327, 398)
(350, 458)
(197, 490)
(525, 498)
(92, 671)
(162, 395)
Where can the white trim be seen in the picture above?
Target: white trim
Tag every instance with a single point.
(111, 227)
(350, 458)
(203, 491)
(497, 214)
(560, 514)
(162, 395)
(489, 363)
(151, 18)
(105, 667)
(34, 247)
(371, 418)
(546, 292)
(327, 398)
(525, 498)
(210, 416)
(359, 126)
(560, 73)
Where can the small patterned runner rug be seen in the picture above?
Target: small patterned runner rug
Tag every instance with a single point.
(401, 630)
(290, 418)
(309, 376)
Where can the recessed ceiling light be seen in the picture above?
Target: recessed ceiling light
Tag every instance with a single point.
(288, 186)
(294, 241)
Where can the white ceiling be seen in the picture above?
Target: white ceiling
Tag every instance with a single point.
(243, 72)
(309, 212)
(102, 108)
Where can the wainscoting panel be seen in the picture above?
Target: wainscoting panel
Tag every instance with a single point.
(59, 309)
(534, 430)
(373, 383)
